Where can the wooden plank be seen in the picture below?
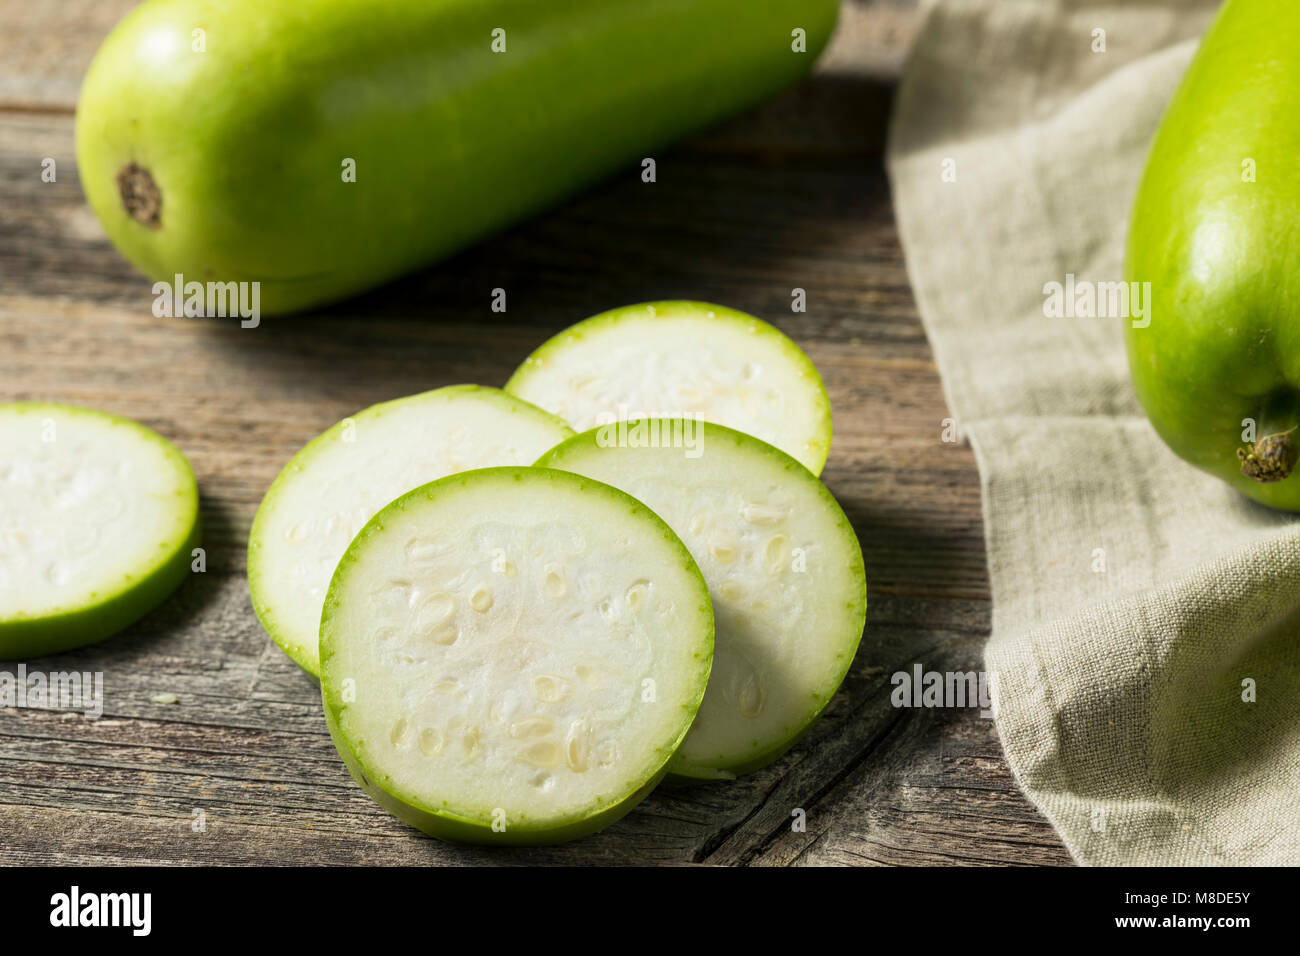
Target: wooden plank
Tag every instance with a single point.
(246, 745)
(46, 46)
(792, 195)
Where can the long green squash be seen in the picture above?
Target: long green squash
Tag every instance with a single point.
(320, 147)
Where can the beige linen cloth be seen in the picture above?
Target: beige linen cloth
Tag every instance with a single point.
(1136, 601)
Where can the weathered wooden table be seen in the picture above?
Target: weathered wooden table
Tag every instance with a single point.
(793, 195)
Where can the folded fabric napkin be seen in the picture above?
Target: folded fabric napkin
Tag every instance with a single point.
(1145, 653)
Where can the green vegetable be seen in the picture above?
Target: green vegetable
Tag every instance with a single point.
(1218, 367)
(214, 136)
(513, 655)
(337, 482)
(782, 563)
(98, 518)
(675, 359)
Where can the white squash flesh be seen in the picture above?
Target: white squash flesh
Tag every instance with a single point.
(98, 517)
(683, 359)
(331, 488)
(783, 566)
(513, 654)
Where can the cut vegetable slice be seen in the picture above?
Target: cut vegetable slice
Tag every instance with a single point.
(782, 562)
(683, 359)
(513, 655)
(337, 482)
(98, 517)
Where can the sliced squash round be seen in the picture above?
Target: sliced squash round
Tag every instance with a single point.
(513, 655)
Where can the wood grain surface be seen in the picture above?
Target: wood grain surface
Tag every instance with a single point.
(792, 195)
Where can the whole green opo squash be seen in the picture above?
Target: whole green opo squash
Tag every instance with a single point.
(320, 147)
(1216, 364)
